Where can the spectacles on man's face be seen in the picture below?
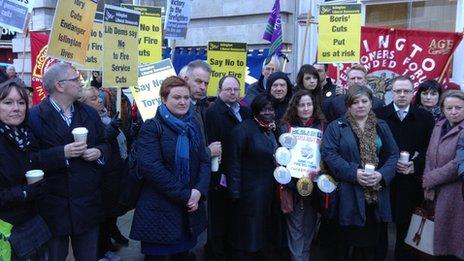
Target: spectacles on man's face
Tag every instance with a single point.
(76, 79)
(402, 91)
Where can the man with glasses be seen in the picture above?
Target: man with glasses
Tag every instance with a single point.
(221, 118)
(72, 209)
(411, 127)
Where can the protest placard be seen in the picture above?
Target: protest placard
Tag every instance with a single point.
(146, 94)
(120, 46)
(339, 33)
(177, 18)
(150, 33)
(226, 58)
(306, 154)
(71, 29)
(14, 14)
(93, 61)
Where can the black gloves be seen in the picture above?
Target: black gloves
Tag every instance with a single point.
(36, 190)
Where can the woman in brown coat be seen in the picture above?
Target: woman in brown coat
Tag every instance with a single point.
(441, 181)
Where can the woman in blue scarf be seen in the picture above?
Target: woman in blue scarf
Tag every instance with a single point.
(171, 157)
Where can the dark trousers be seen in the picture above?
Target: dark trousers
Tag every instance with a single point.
(377, 252)
(251, 256)
(107, 228)
(402, 251)
(183, 256)
(217, 247)
(84, 246)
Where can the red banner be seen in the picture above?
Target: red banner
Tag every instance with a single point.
(387, 53)
(39, 62)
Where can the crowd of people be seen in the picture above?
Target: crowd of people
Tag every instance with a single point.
(202, 168)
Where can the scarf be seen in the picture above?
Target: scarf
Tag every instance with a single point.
(266, 126)
(19, 136)
(367, 150)
(187, 136)
(436, 112)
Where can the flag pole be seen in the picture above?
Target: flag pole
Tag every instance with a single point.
(305, 36)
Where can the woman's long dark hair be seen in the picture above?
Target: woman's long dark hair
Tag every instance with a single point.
(291, 115)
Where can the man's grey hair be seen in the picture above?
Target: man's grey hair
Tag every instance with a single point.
(53, 74)
(183, 72)
(275, 59)
(197, 64)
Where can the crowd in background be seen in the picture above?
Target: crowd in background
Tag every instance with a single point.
(200, 173)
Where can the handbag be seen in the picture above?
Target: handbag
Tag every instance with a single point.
(286, 200)
(420, 233)
(29, 237)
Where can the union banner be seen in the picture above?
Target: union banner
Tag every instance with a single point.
(387, 53)
(39, 62)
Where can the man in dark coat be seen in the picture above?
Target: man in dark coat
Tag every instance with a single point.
(72, 169)
(335, 107)
(328, 87)
(221, 118)
(411, 127)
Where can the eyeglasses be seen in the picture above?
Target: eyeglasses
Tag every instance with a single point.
(76, 79)
(231, 89)
(402, 91)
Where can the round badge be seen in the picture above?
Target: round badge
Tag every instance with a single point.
(326, 183)
(328, 94)
(304, 186)
(287, 140)
(283, 156)
(282, 175)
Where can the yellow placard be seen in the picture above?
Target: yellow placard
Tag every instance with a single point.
(120, 47)
(71, 29)
(150, 33)
(146, 94)
(339, 33)
(226, 58)
(93, 61)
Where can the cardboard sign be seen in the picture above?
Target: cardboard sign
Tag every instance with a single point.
(14, 14)
(150, 33)
(93, 61)
(120, 46)
(177, 18)
(339, 33)
(226, 58)
(71, 29)
(306, 155)
(146, 94)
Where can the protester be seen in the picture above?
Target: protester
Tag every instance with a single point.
(404, 120)
(250, 182)
(170, 212)
(308, 79)
(114, 171)
(427, 97)
(221, 117)
(301, 223)
(270, 65)
(441, 182)
(30, 234)
(349, 144)
(335, 108)
(73, 207)
(328, 87)
(279, 87)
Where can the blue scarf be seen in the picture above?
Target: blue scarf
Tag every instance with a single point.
(187, 135)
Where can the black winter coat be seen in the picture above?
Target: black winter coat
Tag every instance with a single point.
(161, 213)
(14, 163)
(411, 135)
(252, 187)
(74, 203)
(220, 120)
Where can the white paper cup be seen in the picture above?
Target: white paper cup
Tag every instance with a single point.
(80, 134)
(404, 157)
(34, 175)
(214, 164)
(369, 168)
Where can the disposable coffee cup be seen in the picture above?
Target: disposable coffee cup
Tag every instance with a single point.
(214, 164)
(404, 157)
(80, 134)
(34, 175)
(369, 168)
